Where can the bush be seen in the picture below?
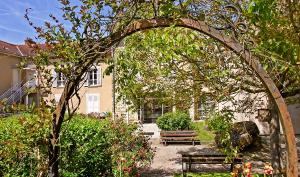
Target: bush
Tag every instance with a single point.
(23, 145)
(221, 124)
(174, 121)
(130, 150)
(85, 148)
(89, 147)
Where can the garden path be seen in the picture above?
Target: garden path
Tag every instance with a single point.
(167, 159)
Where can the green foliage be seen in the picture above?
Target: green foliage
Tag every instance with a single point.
(89, 147)
(220, 121)
(177, 120)
(85, 148)
(275, 27)
(130, 149)
(221, 124)
(163, 62)
(23, 145)
(204, 135)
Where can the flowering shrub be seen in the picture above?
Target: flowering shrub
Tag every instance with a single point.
(23, 145)
(89, 147)
(245, 170)
(268, 169)
(131, 151)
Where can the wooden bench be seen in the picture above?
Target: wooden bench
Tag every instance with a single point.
(189, 159)
(148, 134)
(185, 136)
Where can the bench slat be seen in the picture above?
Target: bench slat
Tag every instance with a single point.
(189, 159)
(178, 135)
(211, 160)
(206, 155)
(178, 132)
(179, 138)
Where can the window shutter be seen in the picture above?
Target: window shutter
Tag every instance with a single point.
(54, 78)
(99, 75)
(86, 79)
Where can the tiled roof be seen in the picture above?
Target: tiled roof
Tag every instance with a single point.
(13, 49)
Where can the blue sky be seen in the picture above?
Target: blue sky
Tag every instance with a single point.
(13, 26)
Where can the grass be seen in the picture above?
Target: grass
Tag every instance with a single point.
(213, 175)
(203, 133)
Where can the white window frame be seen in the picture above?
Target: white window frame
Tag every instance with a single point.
(88, 107)
(206, 105)
(61, 80)
(54, 79)
(94, 79)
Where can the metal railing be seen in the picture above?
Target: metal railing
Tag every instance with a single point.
(11, 90)
(18, 93)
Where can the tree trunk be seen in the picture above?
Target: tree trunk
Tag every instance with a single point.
(57, 119)
(275, 139)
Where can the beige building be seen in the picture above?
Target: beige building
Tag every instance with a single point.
(15, 82)
(96, 95)
(97, 92)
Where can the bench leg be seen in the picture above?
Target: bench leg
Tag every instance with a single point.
(184, 170)
(184, 174)
(231, 167)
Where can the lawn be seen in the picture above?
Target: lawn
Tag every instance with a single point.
(204, 135)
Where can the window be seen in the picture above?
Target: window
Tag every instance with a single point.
(94, 77)
(93, 103)
(57, 97)
(206, 105)
(61, 80)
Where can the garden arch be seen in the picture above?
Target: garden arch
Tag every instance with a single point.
(238, 48)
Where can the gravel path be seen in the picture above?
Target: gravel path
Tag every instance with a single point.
(167, 159)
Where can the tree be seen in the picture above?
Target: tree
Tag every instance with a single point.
(177, 65)
(95, 27)
(275, 27)
(72, 51)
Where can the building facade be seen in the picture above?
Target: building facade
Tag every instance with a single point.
(97, 95)
(17, 84)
